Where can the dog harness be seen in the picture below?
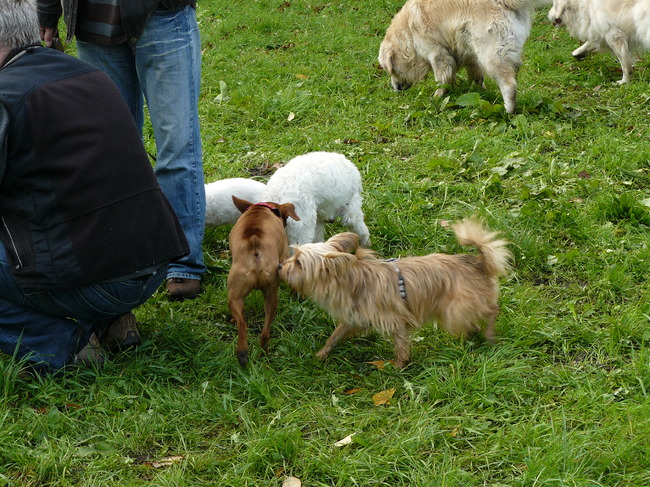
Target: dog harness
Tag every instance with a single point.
(401, 284)
(275, 211)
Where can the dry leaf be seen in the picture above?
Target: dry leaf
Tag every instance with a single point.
(166, 462)
(380, 364)
(443, 223)
(291, 482)
(291, 116)
(301, 76)
(383, 397)
(345, 441)
(356, 390)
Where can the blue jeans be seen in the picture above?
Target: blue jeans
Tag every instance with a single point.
(165, 70)
(49, 327)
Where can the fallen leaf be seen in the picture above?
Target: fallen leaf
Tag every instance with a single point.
(443, 223)
(383, 397)
(291, 116)
(165, 462)
(380, 364)
(345, 441)
(301, 76)
(291, 482)
(356, 390)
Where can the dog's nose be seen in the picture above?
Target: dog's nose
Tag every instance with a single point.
(557, 22)
(279, 267)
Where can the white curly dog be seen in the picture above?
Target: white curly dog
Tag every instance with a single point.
(219, 208)
(322, 186)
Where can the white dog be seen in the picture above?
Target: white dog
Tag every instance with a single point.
(484, 36)
(621, 26)
(219, 208)
(322, 186)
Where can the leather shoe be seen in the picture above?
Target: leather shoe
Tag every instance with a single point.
(179, 288)
(91, 353)
(122, 333)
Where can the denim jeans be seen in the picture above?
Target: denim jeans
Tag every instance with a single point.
(166, 70)
(49, 327)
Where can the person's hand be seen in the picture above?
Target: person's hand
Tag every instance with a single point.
(47, 35)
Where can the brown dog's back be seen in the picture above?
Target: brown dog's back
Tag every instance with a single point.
(258, 243)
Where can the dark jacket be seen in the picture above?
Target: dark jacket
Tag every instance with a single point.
(135, 14)
(79, 202)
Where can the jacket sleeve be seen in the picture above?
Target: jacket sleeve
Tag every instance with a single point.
(4, 124)
(49, 12)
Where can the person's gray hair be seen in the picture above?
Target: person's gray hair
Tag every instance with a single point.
(18, 23)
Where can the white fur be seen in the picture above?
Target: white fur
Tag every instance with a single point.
(620, 26)
(484, 36)
(219, 208)
(322, 186)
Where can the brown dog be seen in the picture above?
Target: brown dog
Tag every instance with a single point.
(258, 243)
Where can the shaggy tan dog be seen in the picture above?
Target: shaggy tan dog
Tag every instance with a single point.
(620, 26)
(395, 297)
(484, 36)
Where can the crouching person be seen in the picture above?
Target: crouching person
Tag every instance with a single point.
(86, 233)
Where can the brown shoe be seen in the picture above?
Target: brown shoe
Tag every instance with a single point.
(180, 288)
(91, 353)
(122, 333)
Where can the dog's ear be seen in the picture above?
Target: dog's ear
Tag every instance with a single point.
(242, 205)
(345, 242)
(387, 61)
(288, 210)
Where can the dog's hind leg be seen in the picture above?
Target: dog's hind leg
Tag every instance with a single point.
(491, 320)
(505, 76)
(236, 304)
(402, 344)
(617, 42)
(341, 331)
(270, 307)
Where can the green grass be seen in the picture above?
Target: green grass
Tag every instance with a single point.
(561, 400)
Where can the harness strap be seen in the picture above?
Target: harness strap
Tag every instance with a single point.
(401, 284)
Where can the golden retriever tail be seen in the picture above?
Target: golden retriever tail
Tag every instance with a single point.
(496, 257)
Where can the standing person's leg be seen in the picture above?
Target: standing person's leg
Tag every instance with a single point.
(119, 63)
(168, 61)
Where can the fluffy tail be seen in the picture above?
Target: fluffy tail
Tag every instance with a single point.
(496, 257)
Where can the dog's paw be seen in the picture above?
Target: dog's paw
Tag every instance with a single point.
(322, 355)
(242, 357)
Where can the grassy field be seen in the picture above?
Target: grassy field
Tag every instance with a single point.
(560, 400)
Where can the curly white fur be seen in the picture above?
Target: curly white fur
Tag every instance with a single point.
(322, 186)
(219, 208)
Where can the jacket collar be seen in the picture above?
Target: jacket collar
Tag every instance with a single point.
(18, 52)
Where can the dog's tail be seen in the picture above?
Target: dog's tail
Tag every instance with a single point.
(496, 257)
